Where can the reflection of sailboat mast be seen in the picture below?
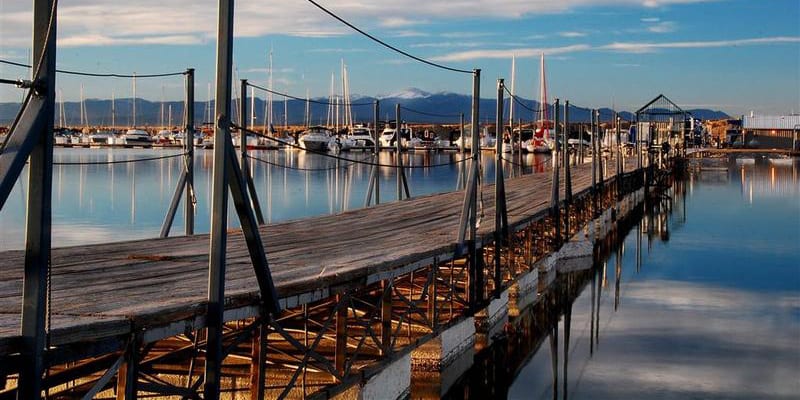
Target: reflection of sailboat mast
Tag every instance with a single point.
(617, 276)
(554, 356)
(567, 328)
(591, 322)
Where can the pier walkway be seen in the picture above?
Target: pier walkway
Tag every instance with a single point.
(113, 289)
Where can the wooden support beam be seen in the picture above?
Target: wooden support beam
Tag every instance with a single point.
(128, 374)
(386, 318)
(340, 355)
(258, 363)
(433, 316)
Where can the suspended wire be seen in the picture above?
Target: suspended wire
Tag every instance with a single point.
(335, 157)
(545, 160)
(429, 114)
(384, 44)
(326, 103)
(98, 75)
(274, 164)
(135, 160)
(521, 104)
(15, 82)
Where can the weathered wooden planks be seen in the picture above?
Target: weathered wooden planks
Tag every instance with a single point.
(111, 289)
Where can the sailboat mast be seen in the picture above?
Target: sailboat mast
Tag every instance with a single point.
(344, 93)
(252, 107)
(113, 110)
(348, 107)
(134, 99)
(208, 104)
(308, 109)
(162, 106)
(285, 113)
(61, 119)
(169, 117)
(330, 103)
(543, 93)
(269, 95)
(83, 110)
(513, 92)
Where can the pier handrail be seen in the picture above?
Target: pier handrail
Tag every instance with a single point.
(335, 157)
(98, 74)
(325, 103)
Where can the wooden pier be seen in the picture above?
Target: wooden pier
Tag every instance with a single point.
(149, 292)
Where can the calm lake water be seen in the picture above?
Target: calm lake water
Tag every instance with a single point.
(104, 203)
(701, 300)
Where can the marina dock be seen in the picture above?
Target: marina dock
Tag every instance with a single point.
(107, 296)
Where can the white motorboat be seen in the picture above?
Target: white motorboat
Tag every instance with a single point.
(315, 138)
(362, 136)
(137, 137)
(407, 139)
(341, 143)
(102, 137)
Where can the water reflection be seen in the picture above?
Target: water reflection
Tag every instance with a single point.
(708, 307)
(98, 203)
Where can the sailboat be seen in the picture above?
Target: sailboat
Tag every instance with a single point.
(133, 136)
(543, 140)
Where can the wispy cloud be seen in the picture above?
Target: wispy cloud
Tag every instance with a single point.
(651, 19)
(663, 27)
(398, 22)
(622, 47)
(442, 45)
(571, 34)
(337, 50)
(408, 33)
(507, 53)
(466, 35)
(649, 47)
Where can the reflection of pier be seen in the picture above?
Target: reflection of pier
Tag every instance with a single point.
(546, 324)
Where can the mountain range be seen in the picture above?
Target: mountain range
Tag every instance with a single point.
(417, 106)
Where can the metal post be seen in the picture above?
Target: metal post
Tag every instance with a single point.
(600, 176)
(567, 169)
(377, 143)
(40, 188)
(243, 131)
(555, 206)
(619, 156)
(499, 198)
(593, 139)
(469, 206)
(247, 178)
(398, 149)
(219, 202)
(189, 204)
(638, 144)
(462, 176)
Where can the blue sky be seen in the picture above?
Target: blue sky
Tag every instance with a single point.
(731, 55)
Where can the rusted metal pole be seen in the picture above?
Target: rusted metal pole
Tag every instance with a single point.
(189, 204)
(499, 196)
(36, 125)
(555, 203)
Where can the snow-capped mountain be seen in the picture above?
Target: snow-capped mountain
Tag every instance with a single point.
(407, 94)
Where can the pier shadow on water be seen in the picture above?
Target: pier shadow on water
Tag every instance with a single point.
(695, 295)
